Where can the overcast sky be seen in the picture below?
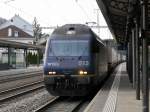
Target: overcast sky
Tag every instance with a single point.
(54, 12)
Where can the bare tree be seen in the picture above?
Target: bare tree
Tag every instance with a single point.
(37, 31)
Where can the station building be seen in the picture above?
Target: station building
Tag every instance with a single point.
(19, 30)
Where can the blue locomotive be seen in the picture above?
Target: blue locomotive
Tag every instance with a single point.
(76, 60)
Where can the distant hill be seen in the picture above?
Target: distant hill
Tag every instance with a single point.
(2, 20)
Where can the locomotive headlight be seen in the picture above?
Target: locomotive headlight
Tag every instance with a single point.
(85, 72)
(54, 73)
(81, 72)
(50, 73)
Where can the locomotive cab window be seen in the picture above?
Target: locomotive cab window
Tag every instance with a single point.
(69, 48)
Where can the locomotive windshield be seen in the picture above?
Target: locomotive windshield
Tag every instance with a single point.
(69, 48)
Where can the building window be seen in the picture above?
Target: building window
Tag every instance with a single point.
(16, 33)
(9, 32)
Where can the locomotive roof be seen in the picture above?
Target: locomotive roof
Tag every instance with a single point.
(74, 28)
(71, 30)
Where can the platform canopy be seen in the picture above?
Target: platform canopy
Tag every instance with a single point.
(115, 13)
(19, 45)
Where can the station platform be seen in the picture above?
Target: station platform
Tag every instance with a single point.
(117, 95)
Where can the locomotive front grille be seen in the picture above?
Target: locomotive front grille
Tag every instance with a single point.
(68, 72)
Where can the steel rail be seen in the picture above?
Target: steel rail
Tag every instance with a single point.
(76, 109)
(6, 79)
(12, 96)
(20, 87)
(46, 105)
(18, 73)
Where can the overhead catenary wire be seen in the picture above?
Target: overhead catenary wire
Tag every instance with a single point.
(83, 10)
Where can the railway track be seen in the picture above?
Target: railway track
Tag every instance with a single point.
(12, 73)
(14, 77)
(21, 90)
(68, 104)
(62, 104)
(46, 105)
